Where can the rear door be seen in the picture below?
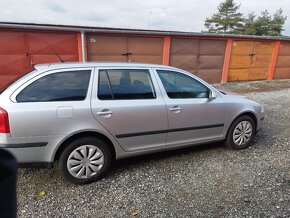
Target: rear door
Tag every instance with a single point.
(128, 103)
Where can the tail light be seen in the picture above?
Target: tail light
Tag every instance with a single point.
(4, 121)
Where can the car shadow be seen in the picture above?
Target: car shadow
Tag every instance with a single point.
(128, 165)
(118, 166)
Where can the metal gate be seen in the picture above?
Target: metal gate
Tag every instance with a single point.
(20, 51)
(250, 60)
(203, 58)
(125, 48)
(283, 62)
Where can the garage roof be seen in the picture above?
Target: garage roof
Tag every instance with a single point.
(52, 27)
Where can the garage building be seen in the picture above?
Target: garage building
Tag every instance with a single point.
(213, 57)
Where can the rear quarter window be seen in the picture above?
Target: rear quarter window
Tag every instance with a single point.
(62, 86)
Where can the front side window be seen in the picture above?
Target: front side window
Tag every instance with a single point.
(125, 84)
(62, 86)
(178, 85)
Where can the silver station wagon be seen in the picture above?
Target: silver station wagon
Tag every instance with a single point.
(86, 115)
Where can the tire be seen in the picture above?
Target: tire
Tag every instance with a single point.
(241, 133)
(84, 160)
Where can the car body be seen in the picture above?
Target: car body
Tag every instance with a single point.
(116, 110)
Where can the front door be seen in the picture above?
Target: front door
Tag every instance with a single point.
(193, 116)
(128, 103)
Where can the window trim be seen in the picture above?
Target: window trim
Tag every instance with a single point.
(148, 72)
(27, 83)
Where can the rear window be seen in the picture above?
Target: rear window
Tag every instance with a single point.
(62, 86)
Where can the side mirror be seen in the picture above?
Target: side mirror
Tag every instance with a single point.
(212, 95)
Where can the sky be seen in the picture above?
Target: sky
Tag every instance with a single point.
(171, 15)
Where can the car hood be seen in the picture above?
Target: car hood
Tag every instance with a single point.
(226, 92)
(236, 96)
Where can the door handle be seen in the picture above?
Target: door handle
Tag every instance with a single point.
(105, 112)
(175, 109)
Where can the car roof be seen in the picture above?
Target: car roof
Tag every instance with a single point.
(52, 66)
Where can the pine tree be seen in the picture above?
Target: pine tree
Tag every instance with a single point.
(227, 20)
(277, 23)
(249, 27)
(263, 23)
(267, 25)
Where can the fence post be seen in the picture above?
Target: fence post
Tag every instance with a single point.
(227, 59)
(166, 50)
(272, 66)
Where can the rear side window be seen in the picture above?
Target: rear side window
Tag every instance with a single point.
(62, 86)
(125, 84)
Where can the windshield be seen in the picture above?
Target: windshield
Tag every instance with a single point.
(2, 89)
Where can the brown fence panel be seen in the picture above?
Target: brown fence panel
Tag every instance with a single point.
(250, 60)
(43, 46)
(125, 48)
(184, 54)
(106, 48)
(211, 60)
(20, 50)
(14, 60)
(282, 70)
(203, 58)
(241, 60)
(145, 49)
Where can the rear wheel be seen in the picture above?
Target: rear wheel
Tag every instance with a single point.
(241, 133)
(84, 160)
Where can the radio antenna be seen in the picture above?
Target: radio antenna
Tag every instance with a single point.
(61, 60)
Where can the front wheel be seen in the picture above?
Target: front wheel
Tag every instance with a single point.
(84, 160)
(241, 133)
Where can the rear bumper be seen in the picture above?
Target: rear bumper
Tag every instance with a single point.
(32, 151)
(24, 145)
(17, 151)
(28, 155)
(47, 165)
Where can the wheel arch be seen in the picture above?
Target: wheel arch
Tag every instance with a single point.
(82, 135)
(247, 113)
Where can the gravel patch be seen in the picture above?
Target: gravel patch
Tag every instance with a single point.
(203, 181)
(255, 86)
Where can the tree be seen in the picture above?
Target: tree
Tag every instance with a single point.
(227, 20)
(249, 27)
(277, 23)
(265, 24)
